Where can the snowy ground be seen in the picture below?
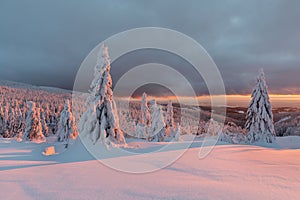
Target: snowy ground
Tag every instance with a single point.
(229, 172)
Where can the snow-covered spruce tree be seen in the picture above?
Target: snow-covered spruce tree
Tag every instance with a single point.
(44, 124)
(14, 122)
(33, 131)
(259, 115)
(169, 120)
(170, 116)
(177, 132)
(132, 129)
(19, 125)
(157, 128)
(100, 121)
(202, 128)
(213, 127)
(7, 121)
(142, 131)
(145, 110)
(2, 121)
(143, 125)
(10, 121)
(53, 122)
(66, 127)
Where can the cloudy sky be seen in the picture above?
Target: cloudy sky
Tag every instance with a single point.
(44, 42)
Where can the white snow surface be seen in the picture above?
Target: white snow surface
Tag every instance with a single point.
(228, 172)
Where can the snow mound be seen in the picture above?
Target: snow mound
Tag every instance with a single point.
(49, 151)
(289, 142)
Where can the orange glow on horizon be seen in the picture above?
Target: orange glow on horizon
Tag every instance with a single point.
(232, 100)
(231, 96)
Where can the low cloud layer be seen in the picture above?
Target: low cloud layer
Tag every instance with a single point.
(44, 42)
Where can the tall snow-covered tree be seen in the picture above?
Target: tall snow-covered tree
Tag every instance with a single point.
(100, 121)
(157, 128)
(66, 127)
(259, 115)
(33, 131)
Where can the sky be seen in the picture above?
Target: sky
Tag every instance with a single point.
(44, 42)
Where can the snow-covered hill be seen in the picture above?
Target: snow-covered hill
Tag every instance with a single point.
(229, 172)
(14, 84)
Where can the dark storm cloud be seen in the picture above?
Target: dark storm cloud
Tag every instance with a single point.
(44, 42)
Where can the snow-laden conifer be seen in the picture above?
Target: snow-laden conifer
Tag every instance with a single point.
(170, 116)
(157, 128)
(143, 125)
(66, 127)
(100, 121)
(259, 115)
(145, 110)
(33, 131)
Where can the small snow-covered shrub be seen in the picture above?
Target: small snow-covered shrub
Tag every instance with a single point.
(233, 134)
